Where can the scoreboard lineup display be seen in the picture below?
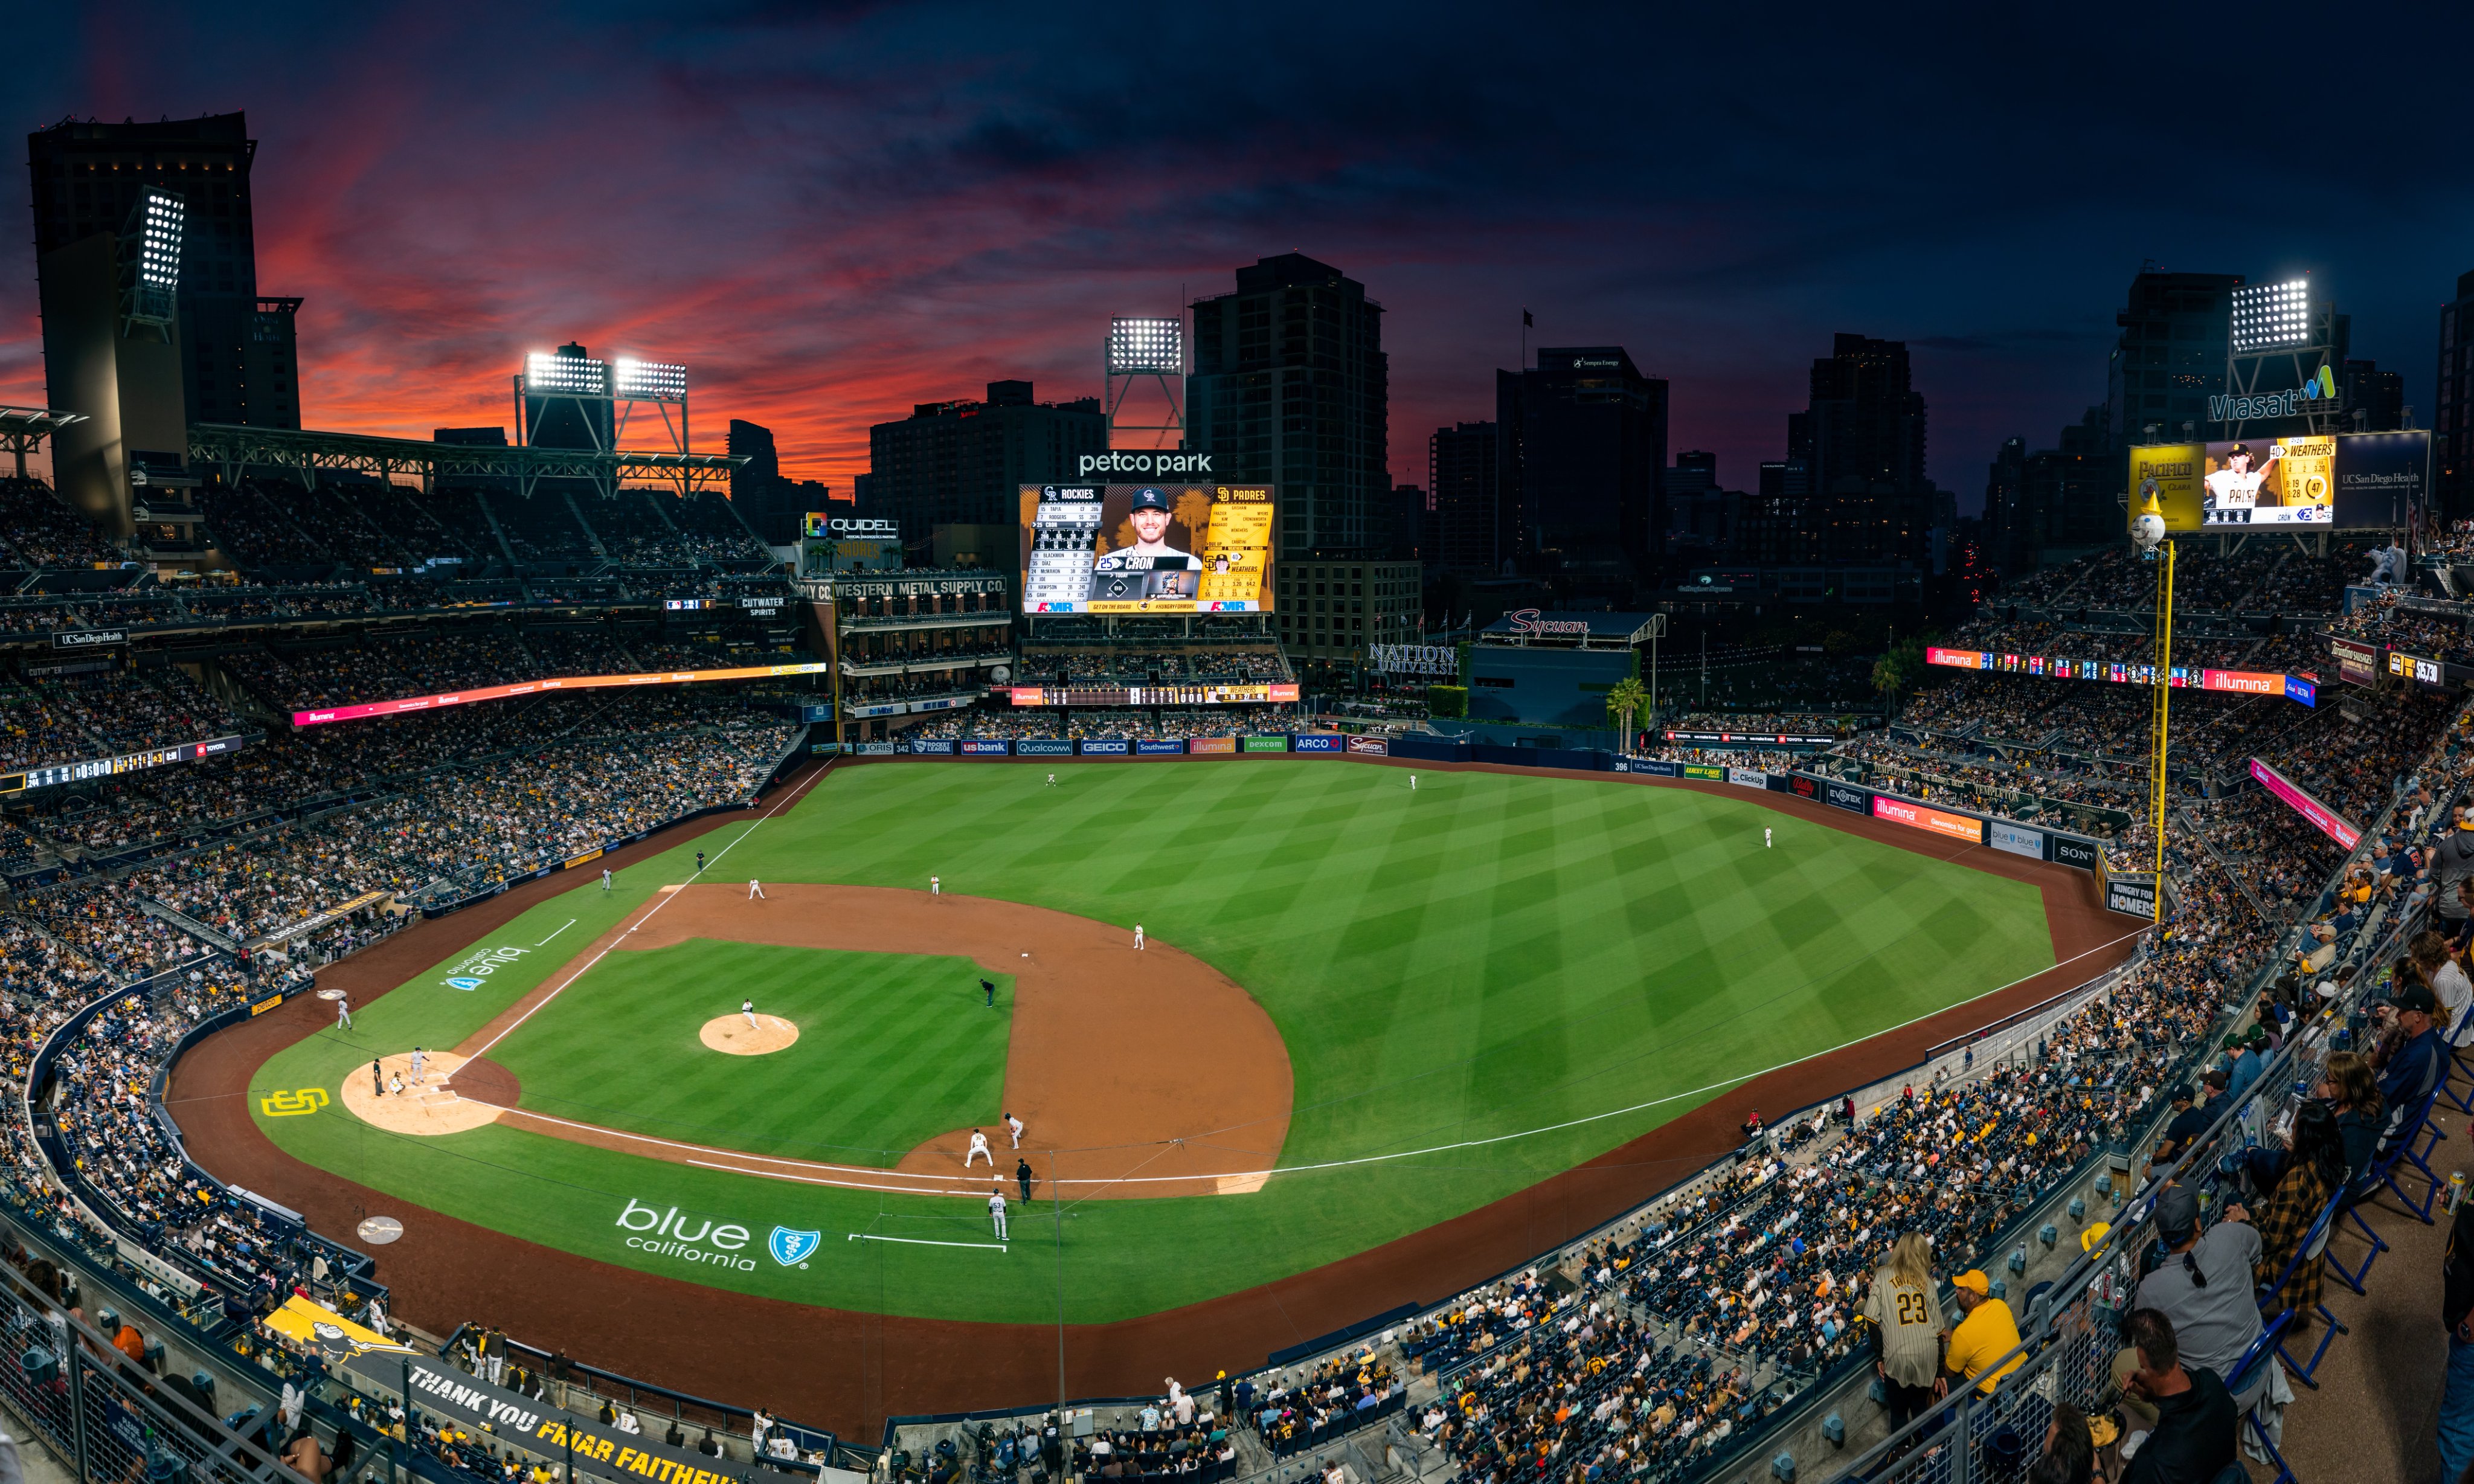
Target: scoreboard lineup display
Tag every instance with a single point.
(1147, 549)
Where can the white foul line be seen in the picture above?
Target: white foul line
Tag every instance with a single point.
(864, 1236)
(562, 927)
(664, 901)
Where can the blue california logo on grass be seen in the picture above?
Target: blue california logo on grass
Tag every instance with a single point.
(463, 982)
(789, 1248)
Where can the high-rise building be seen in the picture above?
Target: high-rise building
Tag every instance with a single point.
(1291, 387)
(2453, 415)
(1700, 515)
(2372, 400)
(1780, 523)
(238, 360)
(1861, 437)
(2170, 358)
(1583, 461)
(767, 502)
(2054, 504)
(964, 462)
(1469, 534)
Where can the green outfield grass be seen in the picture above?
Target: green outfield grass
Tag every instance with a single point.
(892, 1050)
(1488, 957)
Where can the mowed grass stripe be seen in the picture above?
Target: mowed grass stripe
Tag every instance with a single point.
(892, 1048)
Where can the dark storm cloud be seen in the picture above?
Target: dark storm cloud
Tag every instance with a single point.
(834, 211)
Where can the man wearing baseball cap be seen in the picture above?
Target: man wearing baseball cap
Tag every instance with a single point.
(2204, 1285)
(1987, 1333)
(2417, 1065)
(1149, 514)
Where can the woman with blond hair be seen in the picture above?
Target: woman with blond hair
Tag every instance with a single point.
(1906, 1329)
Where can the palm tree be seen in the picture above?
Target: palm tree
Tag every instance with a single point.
(1624, 699)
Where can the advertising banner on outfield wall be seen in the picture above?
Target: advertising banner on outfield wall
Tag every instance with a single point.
(1705, 770)
(432, 1385)
(1043, 747)
(984, 747)
(1799, 785)
(2084, 854)
(2018, 842)
(1310, 742)
(932, 747)
(1157, 747)
(1656, 767)
(1964, 827)
(1211, 744)
(1847, 796)
(1106, 746)
(1369, 746)
(2133, 896)
(1748, 778)
(874, 749)
(1265, 743)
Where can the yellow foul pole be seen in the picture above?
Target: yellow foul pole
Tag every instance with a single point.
(2163, 703)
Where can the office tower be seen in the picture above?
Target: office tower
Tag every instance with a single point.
(1699, 514)
(1462, 484)
(1291, 387)
(2170, 358)
(2451, 455)
(237, 352)
(1862, 438)
(1583, 461)
(2371, 401)
(769, 503)
(964, 462)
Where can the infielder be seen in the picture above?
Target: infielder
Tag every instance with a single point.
(979, 1150)
(343, 1012)
(1013, 1126)
(756, 890)
(996, 1209)
(419, 1060)
(935, 887)
(747, 1008)
(1138, 937)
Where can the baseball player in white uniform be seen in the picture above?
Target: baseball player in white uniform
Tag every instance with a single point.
(605, 878)
(996, 1211)
(1052, 780)
(1138, 937)
(756, 890)
(747, 1008)
(935, 887)
(1013, 1126)
(343, 1011)
(419, 1060)
(979, 1150)
(1766, 838)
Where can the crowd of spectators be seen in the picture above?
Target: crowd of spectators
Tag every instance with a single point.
(38, 529)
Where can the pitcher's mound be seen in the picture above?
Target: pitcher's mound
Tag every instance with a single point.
(733, 1034)
(430, 1106)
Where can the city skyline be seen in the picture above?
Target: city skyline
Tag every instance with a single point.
(830, 220)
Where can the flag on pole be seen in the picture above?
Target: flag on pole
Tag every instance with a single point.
(1527, 320)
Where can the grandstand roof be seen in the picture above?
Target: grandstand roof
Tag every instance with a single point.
(300, 451)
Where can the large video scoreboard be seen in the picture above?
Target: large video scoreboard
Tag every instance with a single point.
(1146, 548)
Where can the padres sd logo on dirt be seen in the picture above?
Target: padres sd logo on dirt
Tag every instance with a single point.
(292, 1102)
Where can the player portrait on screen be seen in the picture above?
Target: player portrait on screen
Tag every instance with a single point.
(2238, 485)
(1154, 567)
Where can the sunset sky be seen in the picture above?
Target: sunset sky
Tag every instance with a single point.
(830, 212)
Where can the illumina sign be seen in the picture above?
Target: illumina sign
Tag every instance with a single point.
(1415, 659)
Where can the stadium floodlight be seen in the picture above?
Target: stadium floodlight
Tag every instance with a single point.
(2271, 316)
(150, 259)
(635, 381)
(1144, 346)
(565, 375)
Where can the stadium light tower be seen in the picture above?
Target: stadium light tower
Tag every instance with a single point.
(635, 382)
(2148, 534)
(2279, 343)
(1141, 347)
(149, 265)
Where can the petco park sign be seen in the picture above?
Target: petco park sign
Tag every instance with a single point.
(1128, 463)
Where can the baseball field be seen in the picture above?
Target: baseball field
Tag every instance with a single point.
(1361, 1009)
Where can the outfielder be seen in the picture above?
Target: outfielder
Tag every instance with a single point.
(979, 1150)
(1412, 783)
(747, 1008)
(1766, 838)
(756, 890)
(605, 878)
(1052, 780)
(996, 1209)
